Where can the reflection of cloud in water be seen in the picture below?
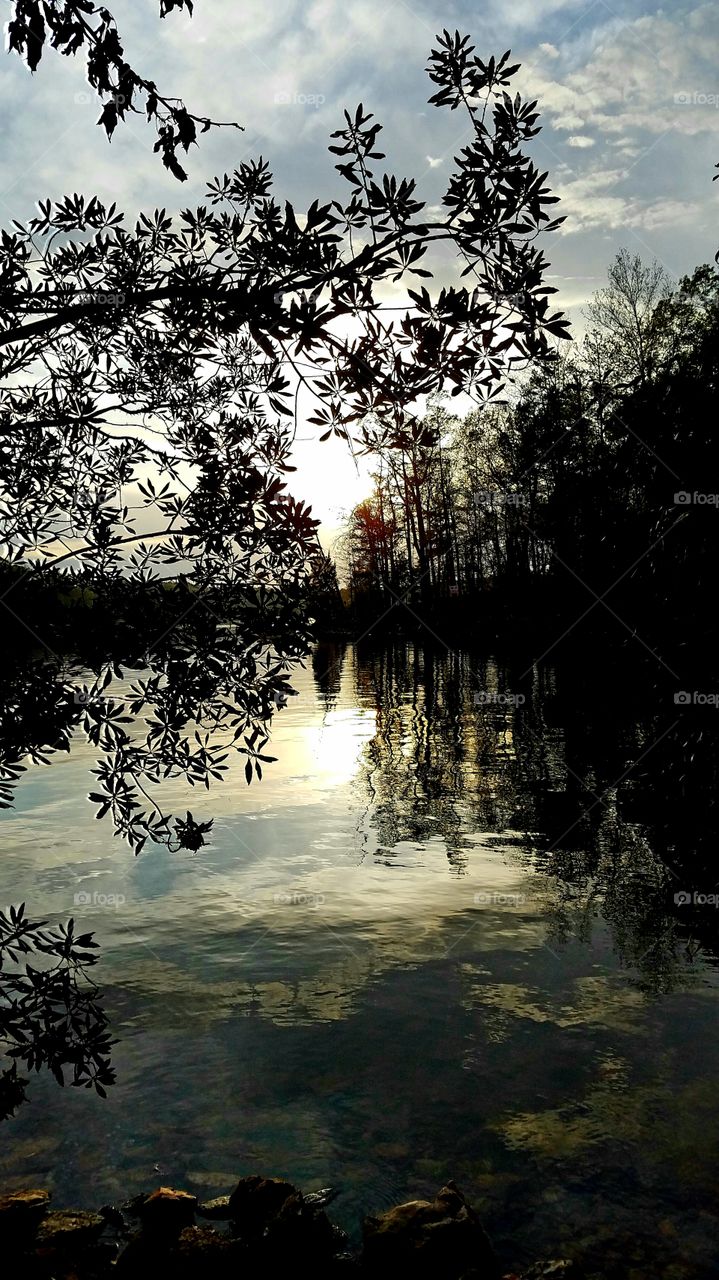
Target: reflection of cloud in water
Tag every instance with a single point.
(602, 1001)
(661, 1124)
(308, 959)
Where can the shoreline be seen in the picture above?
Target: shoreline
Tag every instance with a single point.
(265, 1226)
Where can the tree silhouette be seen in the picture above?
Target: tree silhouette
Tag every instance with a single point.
(47, 1018)
(71, 26)
(149, 379)
(629, 327)
(592, 481)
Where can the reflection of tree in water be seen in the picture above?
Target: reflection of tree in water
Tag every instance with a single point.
(327, 663)
(49, 1010)
(597, 782)
(438, 759)
(414, 765)
(613, 792)
(168, 695)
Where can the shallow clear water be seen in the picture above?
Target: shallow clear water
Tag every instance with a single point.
(386, 972)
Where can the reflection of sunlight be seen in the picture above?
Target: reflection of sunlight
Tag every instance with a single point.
(337, 744)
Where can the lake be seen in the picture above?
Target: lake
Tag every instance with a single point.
(440, 939)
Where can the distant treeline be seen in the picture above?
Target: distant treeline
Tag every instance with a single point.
(588, 504)
(96, 615)
(594, 493)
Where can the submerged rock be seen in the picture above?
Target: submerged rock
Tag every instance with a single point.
(442, 1239)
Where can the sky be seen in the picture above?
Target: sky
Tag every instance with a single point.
(628, 95)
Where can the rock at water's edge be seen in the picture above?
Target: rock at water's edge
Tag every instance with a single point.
(21, 1212)
(166, 1212)
(201, 1252)
(255, 1201)
(69, 1228)
(217, 1209)
(442, 1239)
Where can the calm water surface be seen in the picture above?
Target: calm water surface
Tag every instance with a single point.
(430, 944)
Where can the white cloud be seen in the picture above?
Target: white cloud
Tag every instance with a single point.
(668, 213)
(550, 50)
(643, 76)
(529, 14)
(596, 201)
(587, 202)
(580, 140)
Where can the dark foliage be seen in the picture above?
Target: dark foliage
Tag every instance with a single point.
(74, 26)
(49, 1015)
(148, 384)
(192, 678)
(588, 500)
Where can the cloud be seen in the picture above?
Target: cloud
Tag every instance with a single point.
(596, 201)
(625, 97)
(529, 14)
(588, 202)
(550, 50)
(652, 75)
(668, 213)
